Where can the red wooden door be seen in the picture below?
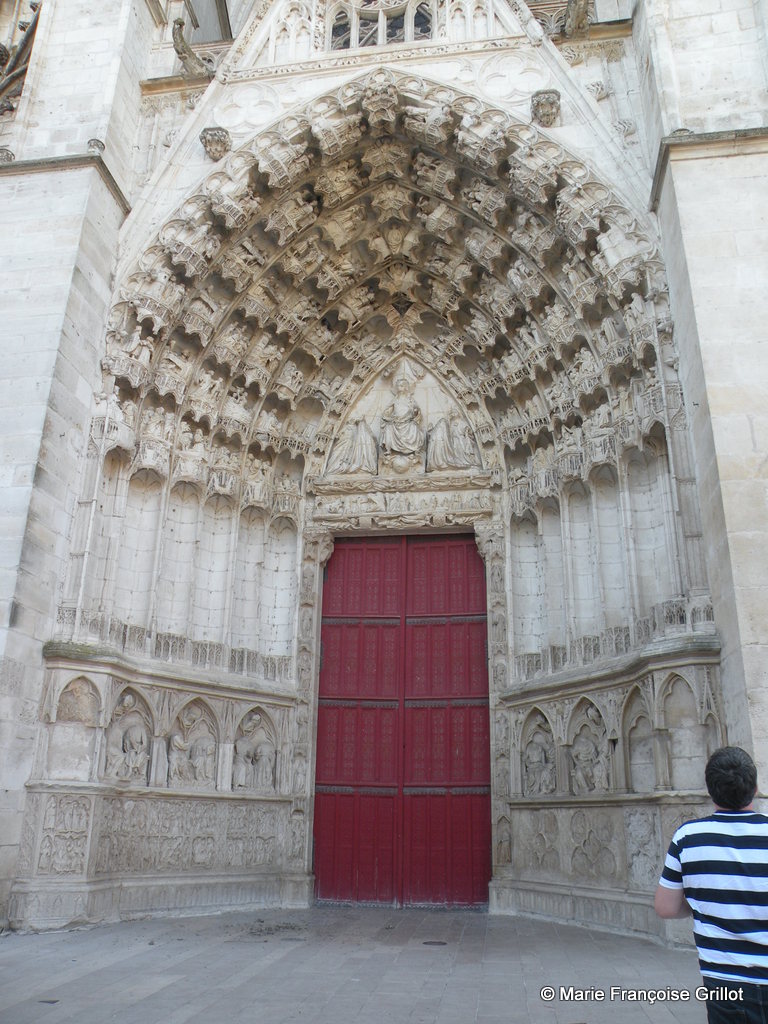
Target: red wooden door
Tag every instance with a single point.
(402, 793)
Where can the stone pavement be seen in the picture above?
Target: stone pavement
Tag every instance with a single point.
(336, 965)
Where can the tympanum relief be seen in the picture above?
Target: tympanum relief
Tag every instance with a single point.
(406, 424)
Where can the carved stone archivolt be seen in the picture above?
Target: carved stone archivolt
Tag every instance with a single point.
(396, 310)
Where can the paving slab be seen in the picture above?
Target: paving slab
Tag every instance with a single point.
(343, 965)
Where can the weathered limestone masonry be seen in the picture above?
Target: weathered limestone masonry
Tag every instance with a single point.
(496, 268)
(62, 207)
(704, 93)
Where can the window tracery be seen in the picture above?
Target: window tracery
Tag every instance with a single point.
(380, 23)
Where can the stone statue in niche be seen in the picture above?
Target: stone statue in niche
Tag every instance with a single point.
(402, 434)
(355, 451)
(497, 577)
(192, 750)
(590, 771)
(299, 774)
(208, 387)
(297, 836)
(503, 841)
(127, 742)
(307, 586)
(451, 445)
(635, 313)
(502, 776)
(139, 348)
(539, 763)
(267, 423)
(255, 755)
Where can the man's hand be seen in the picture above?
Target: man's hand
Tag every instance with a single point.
(670, 903)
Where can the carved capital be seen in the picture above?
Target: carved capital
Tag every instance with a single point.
(318, 545)
(490, 541)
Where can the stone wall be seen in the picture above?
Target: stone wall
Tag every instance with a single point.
(174, 471)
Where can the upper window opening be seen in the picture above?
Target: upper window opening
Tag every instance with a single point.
(422, 22)
(396, 28)
(369, 32)
(341, 32)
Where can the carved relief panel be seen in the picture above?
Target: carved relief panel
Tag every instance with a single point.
(128, 740)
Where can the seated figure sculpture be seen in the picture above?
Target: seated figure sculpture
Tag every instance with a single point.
(402, 434)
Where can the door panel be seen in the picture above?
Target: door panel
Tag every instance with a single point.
(360, 659)
(358, 745)
(446, 745)
(402, 804)
(446, 658)
(364, 579)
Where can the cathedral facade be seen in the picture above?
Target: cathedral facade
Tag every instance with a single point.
(383, 450)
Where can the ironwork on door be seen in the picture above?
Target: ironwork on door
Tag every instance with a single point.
(402, 794)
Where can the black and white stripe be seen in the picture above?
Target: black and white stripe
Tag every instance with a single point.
(721, 864)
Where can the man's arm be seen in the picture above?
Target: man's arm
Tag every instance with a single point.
(670, 903)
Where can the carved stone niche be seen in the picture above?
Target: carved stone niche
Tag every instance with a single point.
(538, 756)
(128, 740)
(192, 748)
(503, 843)
(590, 754)
(639, 745)
(79, 702)
(691, 733)
(298, 836)
(72, 741)
(255, 760)
(545, 107)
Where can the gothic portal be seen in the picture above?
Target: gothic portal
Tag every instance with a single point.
(375, 533)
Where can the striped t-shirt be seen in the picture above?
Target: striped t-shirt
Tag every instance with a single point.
(721, 864)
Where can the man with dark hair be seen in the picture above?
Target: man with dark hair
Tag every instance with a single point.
(717, 870)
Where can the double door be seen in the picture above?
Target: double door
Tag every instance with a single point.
(402, 794)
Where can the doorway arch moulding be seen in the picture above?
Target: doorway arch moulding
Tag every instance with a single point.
(394, 223)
